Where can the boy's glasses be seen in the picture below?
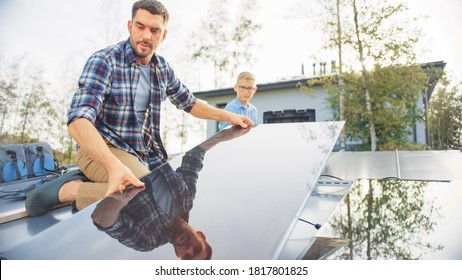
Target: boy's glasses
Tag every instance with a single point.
(248, 89)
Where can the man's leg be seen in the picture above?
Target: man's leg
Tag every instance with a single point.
(90, 192)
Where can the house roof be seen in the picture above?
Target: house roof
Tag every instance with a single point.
(285, 84)
(435, 76)
(292, 83)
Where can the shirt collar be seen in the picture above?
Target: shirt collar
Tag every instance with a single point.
(129, 51)
(240, 104)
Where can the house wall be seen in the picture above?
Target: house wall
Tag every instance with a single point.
(420, 128)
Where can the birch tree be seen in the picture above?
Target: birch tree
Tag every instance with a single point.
(445, 117)
(376, 37)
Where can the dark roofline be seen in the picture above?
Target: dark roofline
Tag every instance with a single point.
(435, 64)
(435, 76)
(261, 87)
(287, 84)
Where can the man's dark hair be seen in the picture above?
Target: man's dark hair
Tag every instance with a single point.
(152, 6)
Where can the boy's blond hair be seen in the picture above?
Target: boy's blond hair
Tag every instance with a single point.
(246, 76)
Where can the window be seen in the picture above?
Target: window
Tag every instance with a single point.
(218, 124)
(289, 116)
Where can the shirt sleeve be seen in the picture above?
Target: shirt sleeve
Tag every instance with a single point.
(93, 84)
(131, 234)
(191, 165)
(177, 92)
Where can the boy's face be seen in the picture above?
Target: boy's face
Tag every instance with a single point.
(245, 90)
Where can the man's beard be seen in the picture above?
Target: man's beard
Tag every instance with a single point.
(141, 54)
(176, 231)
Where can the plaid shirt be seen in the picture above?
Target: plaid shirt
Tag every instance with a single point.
(142, 224)
(106, 98)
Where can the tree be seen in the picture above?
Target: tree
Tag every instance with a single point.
(243, 37)
(335, 33)
(213, 41)
(379, 38)
(445, 117)
(223, 42)
(36, 114)
(364, 83)
(65, 88)
(109, 28)
(338, 41)
(369, 217)
(179, 130)
(396, 91)
(8, 94)
(380, 35)
(28, 112)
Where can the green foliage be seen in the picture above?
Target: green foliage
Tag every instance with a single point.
(387, 219)
(28, 113)
(445, 117)
(378, 39)
(8, 93)
(394, 92)
(326, 81)
(36, 113)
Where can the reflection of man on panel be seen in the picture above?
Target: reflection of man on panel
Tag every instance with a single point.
(146, 218)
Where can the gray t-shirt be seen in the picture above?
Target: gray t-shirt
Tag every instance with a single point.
(142, 96)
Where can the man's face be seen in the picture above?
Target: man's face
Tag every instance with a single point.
(147, 31)
(190, 245)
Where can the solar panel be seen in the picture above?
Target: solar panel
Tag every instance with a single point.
(398, 220)
(248, 192)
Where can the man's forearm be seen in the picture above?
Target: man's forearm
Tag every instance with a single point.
(106, 212)
(204, 111)
(89, 139)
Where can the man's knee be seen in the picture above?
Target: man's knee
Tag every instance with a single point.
(131, 161)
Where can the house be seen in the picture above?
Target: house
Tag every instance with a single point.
(284, 101)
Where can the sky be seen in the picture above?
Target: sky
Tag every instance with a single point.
(55, 32)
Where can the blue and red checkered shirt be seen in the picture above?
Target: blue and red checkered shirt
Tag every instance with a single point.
(106, 98)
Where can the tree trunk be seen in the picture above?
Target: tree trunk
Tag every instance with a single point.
(25, 117)
(340, 78)
(370, 116)
(370, 206)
